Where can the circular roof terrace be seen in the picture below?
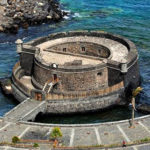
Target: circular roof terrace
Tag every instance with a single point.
(87, 47)
(118, 51)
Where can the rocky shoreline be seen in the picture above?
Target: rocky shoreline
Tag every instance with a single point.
(144, 108)
(23, 13)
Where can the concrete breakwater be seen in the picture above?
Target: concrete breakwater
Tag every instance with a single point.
(22, 13)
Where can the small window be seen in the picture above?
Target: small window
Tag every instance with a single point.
(99, 73)
(83, 49)
(55, 77)
(64, 49)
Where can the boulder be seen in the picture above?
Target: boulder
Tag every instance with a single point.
(5, 84)
(23, 13)
(3, 2)
(145, 108)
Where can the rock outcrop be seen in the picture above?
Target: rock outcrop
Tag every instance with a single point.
(145, 108)
(5, 84)
(23, 13)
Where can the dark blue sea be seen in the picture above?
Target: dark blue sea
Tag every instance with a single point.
(130, 18)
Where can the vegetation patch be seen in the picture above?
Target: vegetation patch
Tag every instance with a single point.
(15, 139)
(35, 145)
(56, 133)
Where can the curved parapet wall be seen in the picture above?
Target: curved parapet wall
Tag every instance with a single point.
(100, 34)
(87, 77)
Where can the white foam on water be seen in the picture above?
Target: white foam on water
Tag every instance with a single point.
(66, 17)
(77, 15)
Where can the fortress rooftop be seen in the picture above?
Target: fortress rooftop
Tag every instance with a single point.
(65, 59)
(118, 51)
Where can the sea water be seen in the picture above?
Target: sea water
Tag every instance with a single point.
(129, 18)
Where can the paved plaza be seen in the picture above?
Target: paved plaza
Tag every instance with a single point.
(80, 135)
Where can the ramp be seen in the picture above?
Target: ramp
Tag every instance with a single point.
(25, 111)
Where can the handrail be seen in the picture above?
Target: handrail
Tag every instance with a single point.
(50, 81)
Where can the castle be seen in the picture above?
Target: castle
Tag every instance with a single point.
(76, 71)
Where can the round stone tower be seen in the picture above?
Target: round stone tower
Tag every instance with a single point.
(76, 71)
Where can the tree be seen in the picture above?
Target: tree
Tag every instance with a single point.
(15, 139)
(135, 92)
(56, 133)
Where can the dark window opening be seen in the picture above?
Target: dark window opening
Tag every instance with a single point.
(64, 49)
(83, 49)
(38, 96)
(55, 87)
(99, 73)
(55, 77)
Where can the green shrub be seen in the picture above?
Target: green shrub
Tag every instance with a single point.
(15, 139)
(145, 140)
(56, 133)
(35, 145)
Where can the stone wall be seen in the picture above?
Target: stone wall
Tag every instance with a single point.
(114, 76)
(85, 105)
(72, 106)
(26, 62)
(72, 80)
(41, 74)
(132, 78)
(16, 82)
(18, 94)
(127, 43)
(83, 80)
(27, 58)
(83, 48)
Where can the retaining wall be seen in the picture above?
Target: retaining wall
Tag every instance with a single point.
(86, 104)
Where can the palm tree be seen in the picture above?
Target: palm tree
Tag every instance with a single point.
(135, 92)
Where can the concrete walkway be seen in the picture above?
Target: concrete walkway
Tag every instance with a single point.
(80, 135)
(14, 123)
(21, 110)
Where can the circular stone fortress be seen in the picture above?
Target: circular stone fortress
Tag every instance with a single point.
(76, 71)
